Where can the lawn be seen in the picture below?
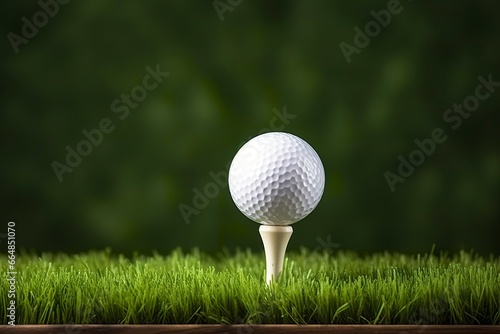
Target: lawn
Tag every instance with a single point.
(195, 288)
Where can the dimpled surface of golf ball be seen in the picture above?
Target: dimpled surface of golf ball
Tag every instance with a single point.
(276, 179)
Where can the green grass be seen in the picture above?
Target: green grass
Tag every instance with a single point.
(345, 288)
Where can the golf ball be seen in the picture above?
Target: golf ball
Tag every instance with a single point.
(276, 179)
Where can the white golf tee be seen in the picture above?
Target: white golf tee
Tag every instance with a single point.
(275, 239)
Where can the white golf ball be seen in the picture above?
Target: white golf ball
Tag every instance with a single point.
(276, 179)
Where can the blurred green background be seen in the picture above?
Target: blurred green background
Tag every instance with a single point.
(230, 72)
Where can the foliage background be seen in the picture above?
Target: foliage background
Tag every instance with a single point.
(226, 77)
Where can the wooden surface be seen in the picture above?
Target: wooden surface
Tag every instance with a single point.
(248, 329)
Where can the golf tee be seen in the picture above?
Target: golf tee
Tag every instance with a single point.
(275, 239)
